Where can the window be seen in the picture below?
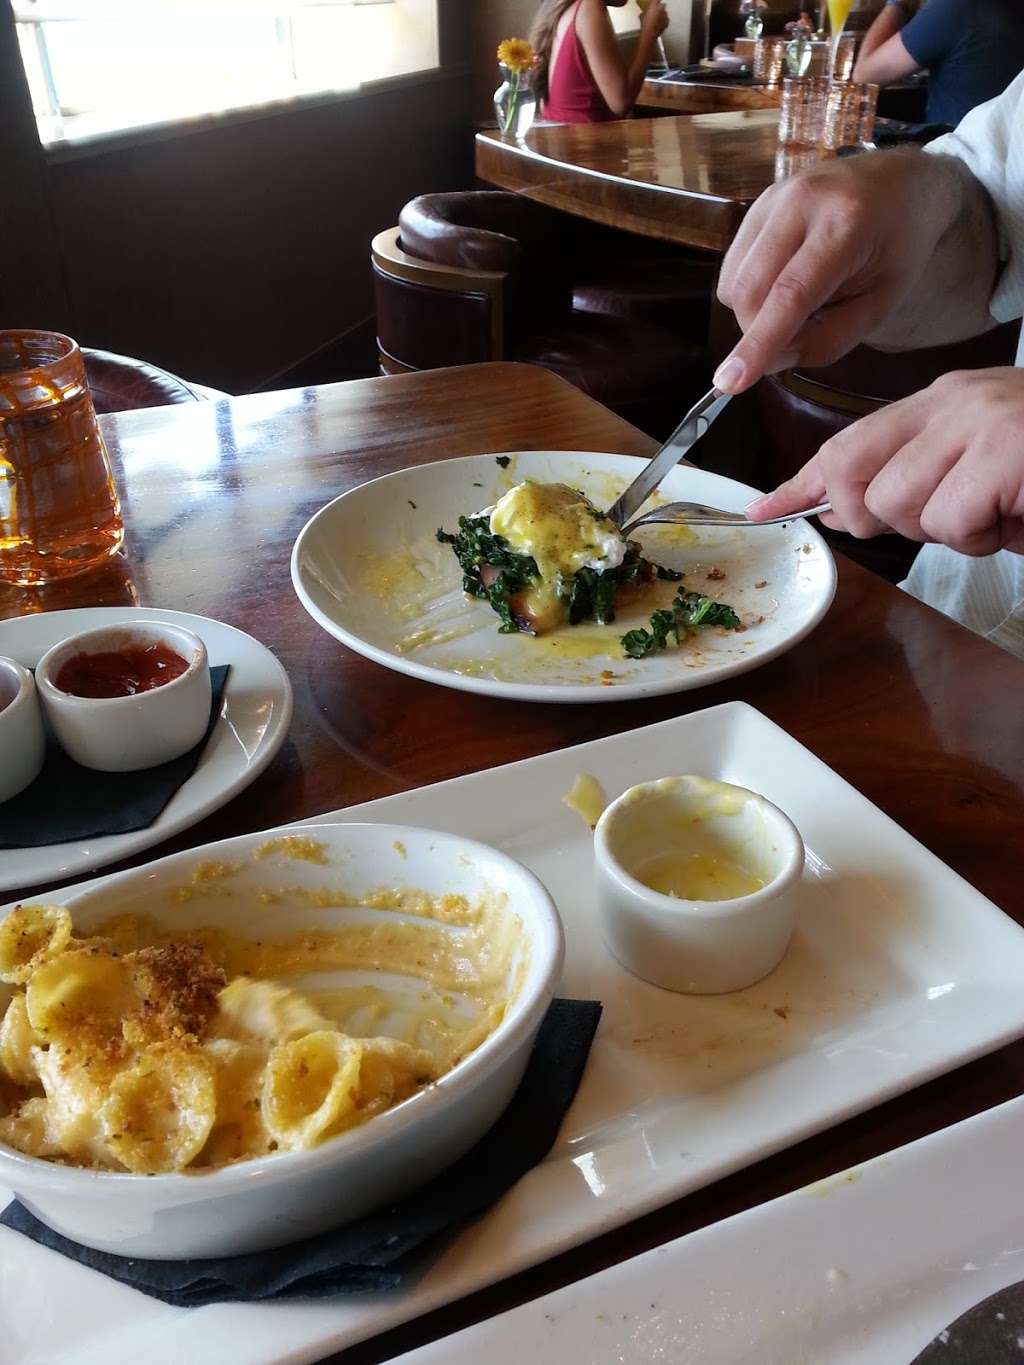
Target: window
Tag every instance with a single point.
(101, 66)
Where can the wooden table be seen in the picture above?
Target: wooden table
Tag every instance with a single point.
(705, 96)
(919, 714)
(906, 99)
(686, 180)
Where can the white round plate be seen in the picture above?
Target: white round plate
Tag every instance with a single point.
(369, 570)
(256, 710)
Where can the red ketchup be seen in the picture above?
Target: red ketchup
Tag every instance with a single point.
(121, 672)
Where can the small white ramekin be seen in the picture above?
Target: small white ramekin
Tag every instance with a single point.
(124, 734)
(696, 947)
(22, 741)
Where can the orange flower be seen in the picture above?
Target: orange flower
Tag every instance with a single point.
(517, 54)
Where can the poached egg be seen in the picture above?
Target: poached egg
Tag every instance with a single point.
(561, 529)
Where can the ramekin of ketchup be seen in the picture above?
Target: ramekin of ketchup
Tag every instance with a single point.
(126, 697)
(121, 672)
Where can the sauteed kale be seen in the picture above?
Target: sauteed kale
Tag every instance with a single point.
(687, 611)
(476, 547)
(496, 573)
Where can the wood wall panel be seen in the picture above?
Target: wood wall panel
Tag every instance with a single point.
(231, 250)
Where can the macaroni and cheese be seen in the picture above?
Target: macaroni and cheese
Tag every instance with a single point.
(135, 1049)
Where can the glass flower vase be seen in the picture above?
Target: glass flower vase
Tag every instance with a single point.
(515, 103)
(754, 26)
(798, 53)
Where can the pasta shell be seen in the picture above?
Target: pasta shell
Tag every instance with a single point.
(28, 1129)
(74, 1095)
(28, 936)
(17, 1039)
(265, 1011)
(160, 1111)
(239, 1131)
(82, 992)
(311, 1088)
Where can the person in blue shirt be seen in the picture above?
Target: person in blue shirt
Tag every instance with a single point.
(971, 49)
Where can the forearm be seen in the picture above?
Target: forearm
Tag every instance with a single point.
(889, 21)
(949, 300)
(636, 72)
(619, 81)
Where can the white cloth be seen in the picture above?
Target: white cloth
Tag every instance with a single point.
(987, 595)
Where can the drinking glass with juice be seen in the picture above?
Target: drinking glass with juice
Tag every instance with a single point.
(59, 511)
(838, 13)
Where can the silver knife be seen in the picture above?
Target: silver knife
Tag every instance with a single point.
(686, 435)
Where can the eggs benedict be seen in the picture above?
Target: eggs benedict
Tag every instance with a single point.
(544, 556)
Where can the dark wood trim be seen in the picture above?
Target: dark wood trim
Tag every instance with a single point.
(664, 212)
(33, 285)
(390, 366)
(127, 139)
(390, 259)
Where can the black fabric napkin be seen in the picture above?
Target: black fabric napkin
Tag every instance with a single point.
(731, 75)
(67, 801)
(894, 132)
(386, 1248)
(990, 1333)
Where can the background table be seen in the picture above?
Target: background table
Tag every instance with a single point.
(906, 99)
(705, 96)
(687, 180)
(919, 714)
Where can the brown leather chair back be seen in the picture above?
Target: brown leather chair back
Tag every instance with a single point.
(877, 377)
(488, 276)
(472, 229)
(803, 407)
(431, 314)
(491, 230)
(119, 383)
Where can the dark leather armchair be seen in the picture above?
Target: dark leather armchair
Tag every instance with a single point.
(119, 383)
(487, 275)
(627, 277)
(802, 408)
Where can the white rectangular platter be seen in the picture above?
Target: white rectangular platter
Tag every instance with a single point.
(898, 972)
(865, 1268)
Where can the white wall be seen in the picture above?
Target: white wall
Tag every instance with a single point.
(677, 35)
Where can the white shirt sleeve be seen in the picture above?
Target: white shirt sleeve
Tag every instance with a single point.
(990, 141)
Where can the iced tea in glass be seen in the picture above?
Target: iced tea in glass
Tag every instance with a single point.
(59, 511)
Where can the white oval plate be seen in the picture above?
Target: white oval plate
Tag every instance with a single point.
(255, 713)
(369, 570)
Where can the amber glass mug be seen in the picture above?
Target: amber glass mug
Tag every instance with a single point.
(59, 512)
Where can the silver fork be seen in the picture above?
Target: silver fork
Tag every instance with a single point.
(696, 514)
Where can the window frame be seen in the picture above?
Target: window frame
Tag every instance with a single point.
(74, 146)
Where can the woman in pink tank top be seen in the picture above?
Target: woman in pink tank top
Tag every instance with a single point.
(581, 77)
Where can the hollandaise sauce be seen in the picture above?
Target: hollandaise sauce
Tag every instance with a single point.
(699, 875)
(587, 798)
(558, 527)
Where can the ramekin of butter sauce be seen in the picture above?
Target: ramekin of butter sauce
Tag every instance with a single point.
(696, 883)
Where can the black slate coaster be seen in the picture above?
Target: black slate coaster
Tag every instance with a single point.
(386, 1248)
(67, 801)
(990, 1333)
